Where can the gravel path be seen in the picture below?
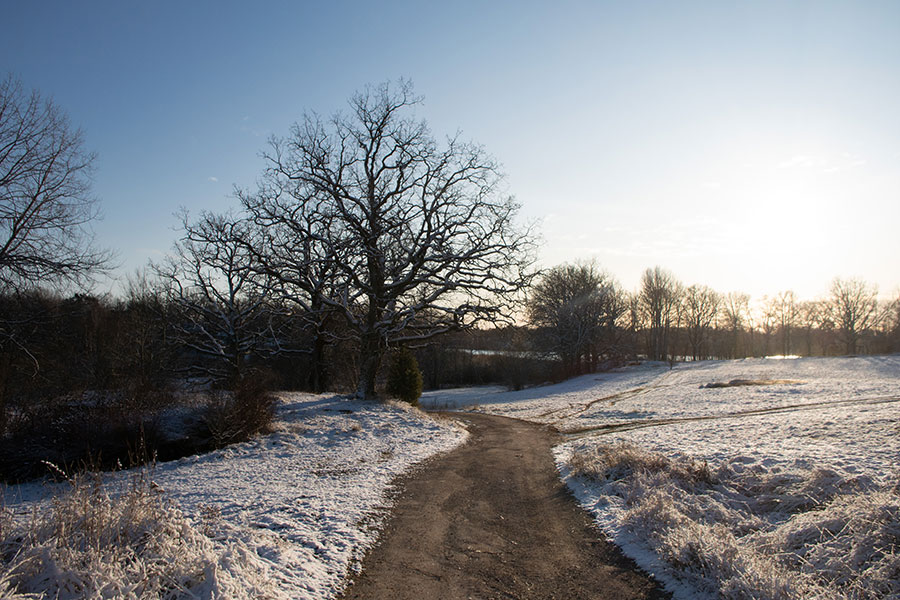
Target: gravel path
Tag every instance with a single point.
(491, 519)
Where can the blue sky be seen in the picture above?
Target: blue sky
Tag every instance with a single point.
(750, 146)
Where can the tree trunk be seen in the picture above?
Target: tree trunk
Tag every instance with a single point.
(370, 359)
(318, 377)
(236, 362)
(851, 343)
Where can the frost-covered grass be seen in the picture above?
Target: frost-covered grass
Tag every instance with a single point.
(294, 510)
(738, 532)
(89, 543)
(787, 488)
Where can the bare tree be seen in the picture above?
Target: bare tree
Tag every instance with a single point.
(810, 320)
(893, 318)
(577, 309)
(766, 321)
(853, 307)
(736, 311)
(222, 314)
(421, 238)
(45, 200)
(633, 317)
(700, 307)
(293, 253)
(659, 296)
(143, 351)
(785, 311)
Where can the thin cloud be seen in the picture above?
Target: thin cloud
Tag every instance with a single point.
(799, 160)
(846, 162)
(831, 164)
(213, 179)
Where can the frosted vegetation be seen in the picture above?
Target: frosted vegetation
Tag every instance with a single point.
(745, 530)
(89, 543)
(784, 486)
(282, 516)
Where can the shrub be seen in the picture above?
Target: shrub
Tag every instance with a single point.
(233, 417)
(404, 378)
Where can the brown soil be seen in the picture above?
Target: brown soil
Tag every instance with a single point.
(492, 520)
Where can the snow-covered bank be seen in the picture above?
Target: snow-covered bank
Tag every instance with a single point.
(799, 499)
(307, 500)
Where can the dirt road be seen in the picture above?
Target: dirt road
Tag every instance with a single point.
(492, 520)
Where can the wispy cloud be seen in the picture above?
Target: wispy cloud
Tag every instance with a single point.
(698, 236)
(213, 179)
(846, 161)
(799, 160)
(829, 164)
(247, 127)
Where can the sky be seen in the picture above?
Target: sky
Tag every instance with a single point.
(748, 146)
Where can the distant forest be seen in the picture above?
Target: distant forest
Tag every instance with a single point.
(574, 319)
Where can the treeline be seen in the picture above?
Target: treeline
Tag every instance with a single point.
(148, 345)
(583, 316)
(146, 342)
(577, 319)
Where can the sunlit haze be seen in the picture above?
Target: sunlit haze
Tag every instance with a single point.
(750, 147)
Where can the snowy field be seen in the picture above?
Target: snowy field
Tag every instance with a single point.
(288, 513)
(782, 483)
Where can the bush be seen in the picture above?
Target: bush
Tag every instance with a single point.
(404, 378)
(233, 417)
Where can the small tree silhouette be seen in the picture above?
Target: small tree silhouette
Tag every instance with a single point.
(405, 378)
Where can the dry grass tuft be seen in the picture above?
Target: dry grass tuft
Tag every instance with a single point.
(615, 463)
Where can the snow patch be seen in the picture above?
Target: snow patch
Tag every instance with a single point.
(306, 501)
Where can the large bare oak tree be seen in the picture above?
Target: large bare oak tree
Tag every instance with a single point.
(416, 237)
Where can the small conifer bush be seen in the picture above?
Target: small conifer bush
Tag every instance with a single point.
(404, 378)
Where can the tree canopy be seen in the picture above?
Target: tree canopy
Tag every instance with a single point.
(406, 237)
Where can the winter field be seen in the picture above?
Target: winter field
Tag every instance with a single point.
(781, 480)
(284, 516)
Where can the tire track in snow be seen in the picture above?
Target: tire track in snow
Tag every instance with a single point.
(575, 433)
(612, 399)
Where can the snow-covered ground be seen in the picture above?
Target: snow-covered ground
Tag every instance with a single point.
(788, 489)
(307, 500)
(654, 391)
